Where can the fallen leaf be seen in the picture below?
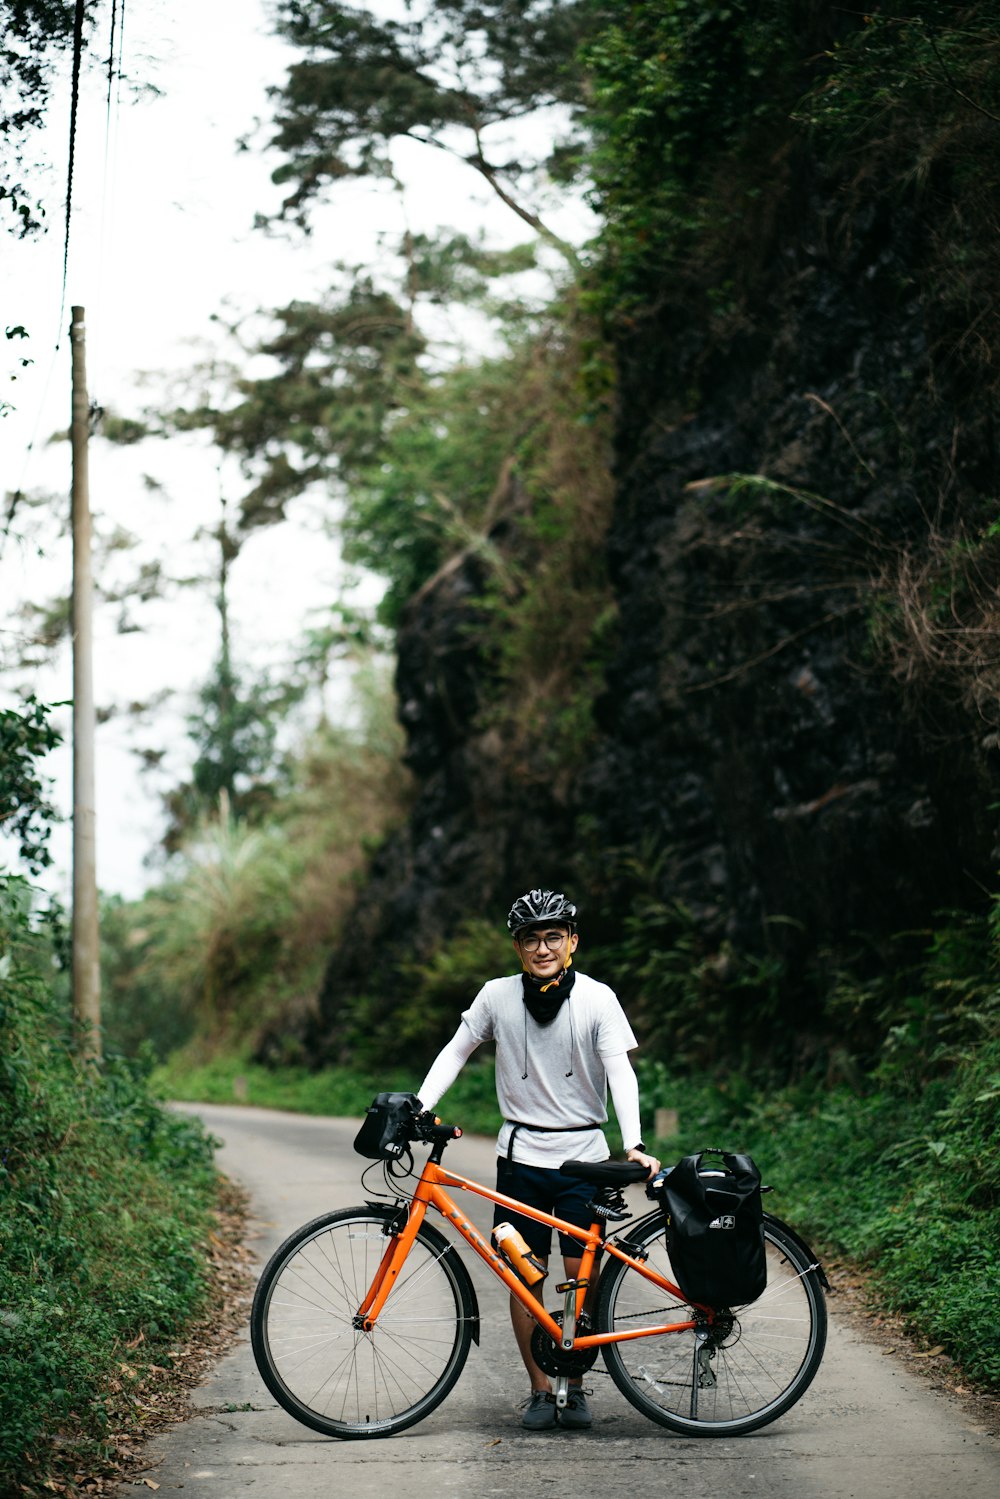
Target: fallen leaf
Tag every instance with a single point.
(931, 1352)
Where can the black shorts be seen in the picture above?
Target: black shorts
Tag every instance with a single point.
(549, 1191)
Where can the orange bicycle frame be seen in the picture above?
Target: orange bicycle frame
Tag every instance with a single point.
(430, 1192)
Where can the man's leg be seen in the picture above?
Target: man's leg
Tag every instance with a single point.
(524, 1325)
(541, 1411)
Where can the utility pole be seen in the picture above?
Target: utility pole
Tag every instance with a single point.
(86, 950)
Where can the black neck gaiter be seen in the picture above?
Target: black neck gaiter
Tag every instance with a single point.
(543, 1008)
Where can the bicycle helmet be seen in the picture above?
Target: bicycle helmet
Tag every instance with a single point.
(537, 907)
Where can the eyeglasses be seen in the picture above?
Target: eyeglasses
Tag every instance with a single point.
(532, 941)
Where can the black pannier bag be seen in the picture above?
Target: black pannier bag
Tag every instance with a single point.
(384, 1132)
(715, 1228)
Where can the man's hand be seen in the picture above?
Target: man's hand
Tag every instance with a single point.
(649, 1161)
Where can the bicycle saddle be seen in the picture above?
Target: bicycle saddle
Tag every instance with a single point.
(605, 1173)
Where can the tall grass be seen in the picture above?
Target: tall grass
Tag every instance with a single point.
(234, 939)
(105, 1206)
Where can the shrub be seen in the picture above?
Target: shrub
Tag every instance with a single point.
(104, 1204)
(902, 1180)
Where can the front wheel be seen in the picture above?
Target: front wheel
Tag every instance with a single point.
(329, 1374)
(731, 1377)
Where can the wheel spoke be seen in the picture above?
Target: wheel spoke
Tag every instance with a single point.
(736, 1374)
(329, 1373)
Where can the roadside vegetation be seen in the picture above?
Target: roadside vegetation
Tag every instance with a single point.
(893, 1172)
(107, 1202)
(881, 1144)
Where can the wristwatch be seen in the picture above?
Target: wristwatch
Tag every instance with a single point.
(640, 1145)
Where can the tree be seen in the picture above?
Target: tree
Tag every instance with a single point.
(26, 813)
(357, 398)
(340, 368)
(233, 727)
(360, 391)
(36, 33)
(460, 76)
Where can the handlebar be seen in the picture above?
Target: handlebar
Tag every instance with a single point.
(427, 1126)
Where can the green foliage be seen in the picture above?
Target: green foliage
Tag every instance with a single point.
(703, 1005)
(898, 1169)
(340, 369)
(921, 997)
(234, 732)
(427, 496)
(424, 461)
(704, 115)
(208, 934)
(361, 390)
(142, 1015)
(233, 729)
(552, 611)
(679, 88)
(406, 1026)
(902, 1180)
(104, 1204)
(356, 397)
(437, 990)
(443, 76)
(454, 268)
(26, 814)
(910, 104)
(239, 931)
(936, 63)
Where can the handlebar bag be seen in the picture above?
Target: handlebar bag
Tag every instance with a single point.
(715, 1228)
(384, 1131)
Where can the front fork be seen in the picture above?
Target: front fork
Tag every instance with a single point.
(401, 1235)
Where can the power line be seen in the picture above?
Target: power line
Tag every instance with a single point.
(74, 103)
(115, 65)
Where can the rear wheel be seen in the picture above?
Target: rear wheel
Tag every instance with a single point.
(731, 1376)
(329, 1374)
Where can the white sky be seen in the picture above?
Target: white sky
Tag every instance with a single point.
(161, 240)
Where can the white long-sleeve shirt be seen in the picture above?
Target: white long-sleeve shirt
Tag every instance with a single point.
(550, 1075)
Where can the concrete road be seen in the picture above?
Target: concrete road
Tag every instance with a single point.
(865, 1427)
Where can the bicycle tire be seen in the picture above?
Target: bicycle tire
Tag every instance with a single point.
(330, 1375)
(730, 1384)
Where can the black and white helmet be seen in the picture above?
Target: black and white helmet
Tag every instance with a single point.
(537, 907)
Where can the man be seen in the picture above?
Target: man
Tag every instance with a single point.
(561, 1039)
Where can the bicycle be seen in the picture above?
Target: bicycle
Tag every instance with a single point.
(363, 1319)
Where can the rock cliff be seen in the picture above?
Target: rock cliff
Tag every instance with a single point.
(771, 754)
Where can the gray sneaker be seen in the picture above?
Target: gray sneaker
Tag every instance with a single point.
(575, 1415)
(540, 1411)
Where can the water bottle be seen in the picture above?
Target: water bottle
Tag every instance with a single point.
(518, 1254)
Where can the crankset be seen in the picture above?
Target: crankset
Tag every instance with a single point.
(553, 1360)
